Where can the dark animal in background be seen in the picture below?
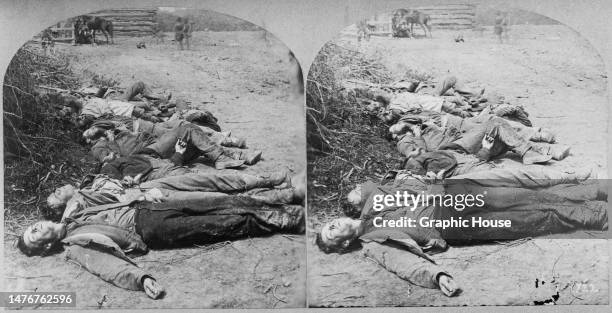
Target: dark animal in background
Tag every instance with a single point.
(403, 17)
(399, 26)
(97, 23)
(141, 45)
(82, 34)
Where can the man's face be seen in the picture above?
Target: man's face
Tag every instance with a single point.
(338, 231)
(62, 195)
(354, 197)
(43, 232)
(92, 132)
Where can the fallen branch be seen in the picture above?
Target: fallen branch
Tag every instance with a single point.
(275, 296)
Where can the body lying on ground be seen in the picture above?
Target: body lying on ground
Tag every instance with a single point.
(451, 163)
(99, 238)
(403, 249)
(197, 143)
(486, 136)
(98, 127)
(138, 101)
(450, 96)
(273, 188)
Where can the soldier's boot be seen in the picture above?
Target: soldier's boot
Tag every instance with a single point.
(543, 135)
(533, 157)
(557, 152)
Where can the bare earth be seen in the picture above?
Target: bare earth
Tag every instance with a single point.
(243, 79)
(561, 81)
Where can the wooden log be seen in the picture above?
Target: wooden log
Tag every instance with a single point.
(446, 7)
(124, 11)
(452, 26)
(130, 15)
(133, 29)
(452, 21)
(435, 16)
(122, 24)
(128, 18)
(434, 12)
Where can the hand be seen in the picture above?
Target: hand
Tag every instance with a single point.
(110, 135)
(127, 181)
(416, 130)
(435, 246)
(180, 146)
(154, 195)
(465, 114)
(487, 142)
(447, 285)
(131, 181)
(109, 157)
(153, 289)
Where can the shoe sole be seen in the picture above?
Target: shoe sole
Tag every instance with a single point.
(254, 159)
(537, 160)
(229, 165)
(563, 155)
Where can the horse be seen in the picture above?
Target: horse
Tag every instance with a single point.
(403, 17)
(82, 34)
(101, 24)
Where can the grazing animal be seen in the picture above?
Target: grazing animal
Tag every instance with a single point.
(403, 17)
(97, 23)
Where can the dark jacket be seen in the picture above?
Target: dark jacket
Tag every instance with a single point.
(399, 249)
(102, 249)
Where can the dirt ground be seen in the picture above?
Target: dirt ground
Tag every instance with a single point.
(243, 79)
(561, 81)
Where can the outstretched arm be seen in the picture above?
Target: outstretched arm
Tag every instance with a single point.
(114, 270)
(410, 267)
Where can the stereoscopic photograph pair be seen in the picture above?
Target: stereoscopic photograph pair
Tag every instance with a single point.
(441, 155)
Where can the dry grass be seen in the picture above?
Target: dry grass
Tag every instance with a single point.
(41, 147)
(347, 143)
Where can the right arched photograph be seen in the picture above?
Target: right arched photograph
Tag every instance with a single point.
(457, 156)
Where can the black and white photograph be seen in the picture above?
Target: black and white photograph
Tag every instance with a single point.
(154, 157)
(306, 155)
(457, 156)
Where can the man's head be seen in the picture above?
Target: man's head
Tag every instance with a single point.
(99, 129)
(85, 121)
(60, 196)
(40, 237)
(338, 235)
(354, 196)
(389, 116)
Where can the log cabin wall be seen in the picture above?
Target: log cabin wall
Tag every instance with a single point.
(130, 22)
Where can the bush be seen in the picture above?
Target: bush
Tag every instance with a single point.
(346, 143)
(36, 136)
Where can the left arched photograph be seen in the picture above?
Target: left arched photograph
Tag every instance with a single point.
(144, 166)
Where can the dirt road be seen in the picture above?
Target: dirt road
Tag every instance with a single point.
(561, 81)
(242, 78)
